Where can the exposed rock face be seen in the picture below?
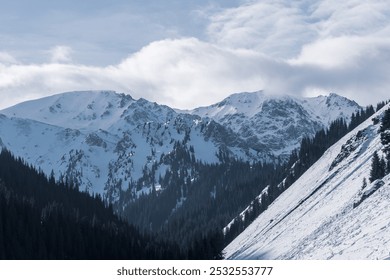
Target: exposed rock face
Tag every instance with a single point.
(276, 125)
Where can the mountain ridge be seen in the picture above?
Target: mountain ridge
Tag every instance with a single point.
(92, 135)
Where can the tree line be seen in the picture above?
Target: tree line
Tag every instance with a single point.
(380, 166)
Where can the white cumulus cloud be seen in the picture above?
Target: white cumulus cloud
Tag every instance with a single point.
(181, 73)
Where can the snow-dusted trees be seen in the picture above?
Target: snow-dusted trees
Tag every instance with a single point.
(385, 130)
(360, 116)
(381, 166)
(385, 125)
(385, 137)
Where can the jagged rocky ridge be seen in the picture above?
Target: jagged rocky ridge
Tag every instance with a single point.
(276, 125)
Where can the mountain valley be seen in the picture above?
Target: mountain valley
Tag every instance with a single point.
(188, 174)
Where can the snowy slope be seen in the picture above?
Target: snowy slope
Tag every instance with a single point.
(315, 218)
(277, 124)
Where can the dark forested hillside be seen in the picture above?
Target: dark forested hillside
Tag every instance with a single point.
(198, 201)
(42, 219)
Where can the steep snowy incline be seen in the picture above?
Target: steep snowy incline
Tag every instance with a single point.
(323, 214)
(277, 124)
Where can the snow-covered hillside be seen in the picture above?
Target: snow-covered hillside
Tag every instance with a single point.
(105, 140)
(277, 124)
(327, 213)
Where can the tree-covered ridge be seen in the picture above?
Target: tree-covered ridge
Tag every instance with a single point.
(189, 209)
(42, 219)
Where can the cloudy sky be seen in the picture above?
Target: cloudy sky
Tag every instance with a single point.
(187, 53)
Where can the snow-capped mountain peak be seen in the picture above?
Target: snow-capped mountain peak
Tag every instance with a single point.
(105, 140)
(247, 104)
(277, 124)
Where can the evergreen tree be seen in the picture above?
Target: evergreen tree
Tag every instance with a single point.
(385, 137)
(385, 124)
(382, 167)
(377, 167)
(380, 105)
(385, 130)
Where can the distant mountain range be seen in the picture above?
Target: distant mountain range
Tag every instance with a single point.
(104, 140)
